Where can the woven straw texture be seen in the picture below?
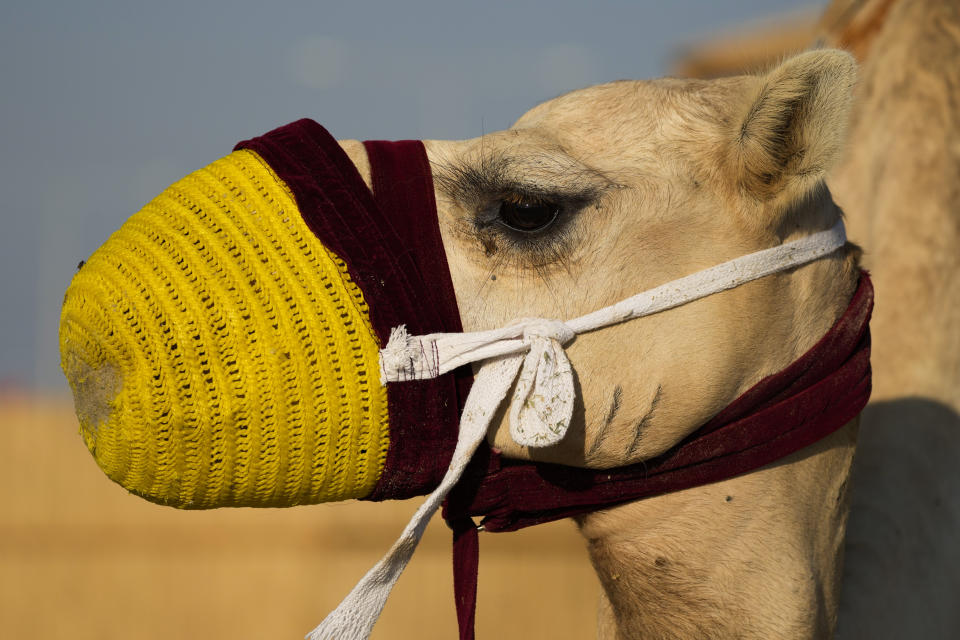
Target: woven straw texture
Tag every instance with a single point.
(220, 355)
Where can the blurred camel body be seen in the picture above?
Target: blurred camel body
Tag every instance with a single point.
(899, 186)
(652, 181)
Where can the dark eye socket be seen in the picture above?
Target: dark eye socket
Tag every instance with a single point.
(527, 216)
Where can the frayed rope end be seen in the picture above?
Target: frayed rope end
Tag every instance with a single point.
(397, 355)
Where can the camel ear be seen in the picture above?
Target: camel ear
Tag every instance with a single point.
(792, 126)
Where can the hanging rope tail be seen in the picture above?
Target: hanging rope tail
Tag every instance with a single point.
(528, 356)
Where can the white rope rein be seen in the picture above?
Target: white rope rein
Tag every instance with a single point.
(542, 403)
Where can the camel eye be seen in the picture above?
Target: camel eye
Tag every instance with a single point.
(527, 216)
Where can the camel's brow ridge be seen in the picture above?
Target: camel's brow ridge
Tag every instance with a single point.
(537, 175)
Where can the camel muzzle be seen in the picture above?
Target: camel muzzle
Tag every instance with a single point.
(220, 355)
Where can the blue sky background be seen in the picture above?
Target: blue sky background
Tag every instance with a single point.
(103, 104)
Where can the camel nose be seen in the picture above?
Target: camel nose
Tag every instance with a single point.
(106, 356)
(93, 371)
(220, 355)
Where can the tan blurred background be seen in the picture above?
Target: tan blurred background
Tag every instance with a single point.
(82, 559)
(104, 105)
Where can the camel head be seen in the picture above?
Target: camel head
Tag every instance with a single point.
(198, 339)
(608, 191)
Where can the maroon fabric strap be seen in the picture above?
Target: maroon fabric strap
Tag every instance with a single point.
(403, 189)
(466, 564)
(390, 241)
(820, 392)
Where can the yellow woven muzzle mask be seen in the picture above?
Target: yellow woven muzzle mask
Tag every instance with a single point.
(221, 354)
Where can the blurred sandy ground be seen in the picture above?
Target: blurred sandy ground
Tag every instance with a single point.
(80, 558)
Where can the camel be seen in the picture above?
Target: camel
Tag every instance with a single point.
(628, 185)
(588, 199)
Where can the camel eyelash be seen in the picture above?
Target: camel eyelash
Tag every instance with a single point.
(496, 178)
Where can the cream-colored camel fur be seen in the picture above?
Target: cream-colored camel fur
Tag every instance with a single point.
(608, 191)
(899, 183)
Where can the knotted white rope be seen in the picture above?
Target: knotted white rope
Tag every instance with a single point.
(542, 403)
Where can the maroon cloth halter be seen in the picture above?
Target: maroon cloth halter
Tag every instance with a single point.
(390, 241)
(823, 390)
